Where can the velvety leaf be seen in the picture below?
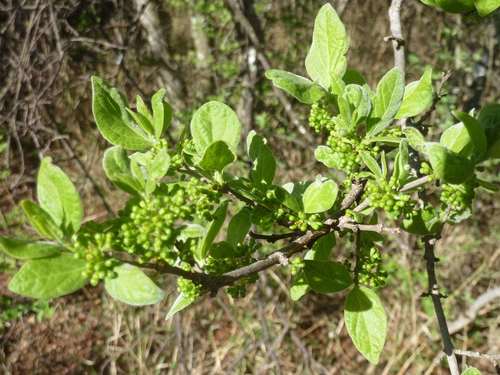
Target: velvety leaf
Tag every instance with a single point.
(49, 278)
(162, 113)
(25, 249)
(448, 166)
(299, 87)
(387, 101)
(485, 7)
(327, 56)
(133, 287)
(212, 122)
(58, 196)
(111, 118)
(116, 165)
(239, 226)
(181, 302)
(216, 157)
(41, 220)
(325, 155)
(366, 322)
(320, 196)
(264, 164)
(327, 276)
(213, 230)
(418, 96)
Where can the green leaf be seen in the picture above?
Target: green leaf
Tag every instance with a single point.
(360, 103)
(116, 165)
(476, 134)
(418, 96)
(322, 248)
(299, 87)
(223, 250)
(25, 249)
(112, 119)
(133, 287)
(181, 302)
(216, 157)
(325, 155)
(299, 286)
(212, 122)
(57, 195)
(415, 139)
(456, 139)
(372, 164)
(448, 166)
(293, 196)
(41, 220)
(191, 231)
(489, 118)
(213, 230)
(485, 7)
(49, 278)
(320, 196)
(239, 226)
(327, 56)
(327, 276)
(387, 101)
(162, 113)
(471, 371)
(143, 109)
(354, 76)
(141, 121)
(366, 322)
(264, 164)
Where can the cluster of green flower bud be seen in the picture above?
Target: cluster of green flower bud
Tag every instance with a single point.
(202, 197)
(456, 199)
(425, 169)
(319, 118)
(384, 195)
(188, 288)
(95, 249)
(371, 272)
(296, 265)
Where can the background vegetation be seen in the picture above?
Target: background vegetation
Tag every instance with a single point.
(203, 49)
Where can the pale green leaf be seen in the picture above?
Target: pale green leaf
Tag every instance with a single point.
(116, 165)
(320, 196)
(471, 371)
(325, 155)
(476, 134)
(181, 302)
(485, 7)
(26, 249)
(133, 287)
(366, 322)
(448, 166)
(299, 286)
(49, 278)
(415, 139)
(418, 96)
(299, 87)
(58, 196)
(327, 56)
(162, 113)
(41, 221)
(372, 164)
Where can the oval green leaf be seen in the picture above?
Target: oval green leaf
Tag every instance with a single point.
(25, 249)
(326, 276)
(320, 196)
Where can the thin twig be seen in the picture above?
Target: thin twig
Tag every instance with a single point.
(398, 42)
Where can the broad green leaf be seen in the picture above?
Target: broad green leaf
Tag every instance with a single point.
(299, 286)
(448, 166)
(212, 122)
(162, 113)
(423, 222)
(359, 100)
(41, 220)
(25, 249)
(57, 195)
(327, 276)
(222, 250)
(264, 164)
(191, 231)
(116, 165)
(112, 119)
(366, 322)
(143, 109)
(327, 56)
(476, 134)
(372, 164)
(325, 155)
(133, 287)
(159, 164)
(417, 96)
(181, 302)
(485, 7)
(353, 76)
(293, 198)
(320, 196)
(216, 157)
(213, 230)
(387, 101)
(471, 371)
(457, 139)
(322, 248)
(239, 226)
(49, 278)
(299, 87)
(415, 139)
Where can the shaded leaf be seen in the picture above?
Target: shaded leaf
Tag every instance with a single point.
(26, 249)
